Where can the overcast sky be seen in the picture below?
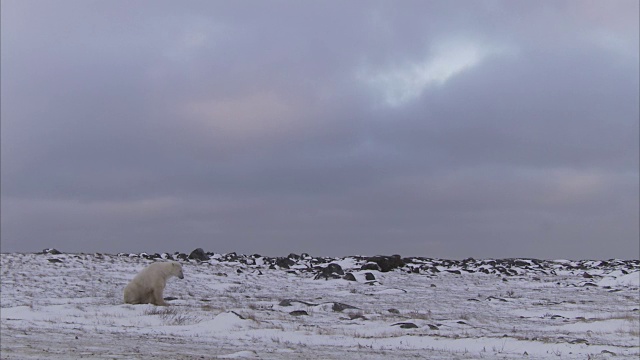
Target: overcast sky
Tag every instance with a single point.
(445, 129)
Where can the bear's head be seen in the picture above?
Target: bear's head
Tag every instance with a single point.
(177, 270)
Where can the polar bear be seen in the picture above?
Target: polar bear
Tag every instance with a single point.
(148, 285)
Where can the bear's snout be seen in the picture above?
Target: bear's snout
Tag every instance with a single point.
(180, 276)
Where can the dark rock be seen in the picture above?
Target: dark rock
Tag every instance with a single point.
(433, 327)
(355, 316)
(495, 298)
(349, 277)
(579, 341)
(338, 307)
(55, 260)
(520, 263)
(198, 254)
(394, 311)
(318, 260)
(370, 266)
(433, 285)
(387, 263)
(332, 270)
(298, 313)
(170, 298)
(335, 268)
(284, 263)
(293, 256)
(238, 315)
(182, 256)
(455, 272)
(288, 302)
(239, 271)
(369, 276)
(230, 257)
(51, 251)
(406, 325)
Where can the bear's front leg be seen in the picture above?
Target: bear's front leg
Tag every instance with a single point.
(158, 299)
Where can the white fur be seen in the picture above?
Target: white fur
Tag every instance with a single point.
(147, 287)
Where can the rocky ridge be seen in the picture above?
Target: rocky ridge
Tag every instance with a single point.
(328, 268)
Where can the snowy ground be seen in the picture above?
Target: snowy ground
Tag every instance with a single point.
(63, 306)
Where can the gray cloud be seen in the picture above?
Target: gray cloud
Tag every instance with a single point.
(492, 129)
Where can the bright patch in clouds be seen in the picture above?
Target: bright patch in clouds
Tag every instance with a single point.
(252, 116)
(446, 60)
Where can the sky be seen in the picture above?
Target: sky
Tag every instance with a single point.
(450, 129)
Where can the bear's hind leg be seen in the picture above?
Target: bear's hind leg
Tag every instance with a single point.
(130, 297)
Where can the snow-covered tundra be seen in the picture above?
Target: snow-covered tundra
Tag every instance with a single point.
(70, 306)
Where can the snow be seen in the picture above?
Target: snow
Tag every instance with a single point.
(630, 280)
(73, 309)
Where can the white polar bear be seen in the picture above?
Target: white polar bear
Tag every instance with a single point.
(148, 285)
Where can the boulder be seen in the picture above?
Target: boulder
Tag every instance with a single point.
(406, 325)
(338, 307)
(289, 302)
(349, 277)
(198, 254)
(369, 276)
(333, 271)
(230, 257)
(298, 313)
(370, 266)
(387, 263)
(284, 263)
